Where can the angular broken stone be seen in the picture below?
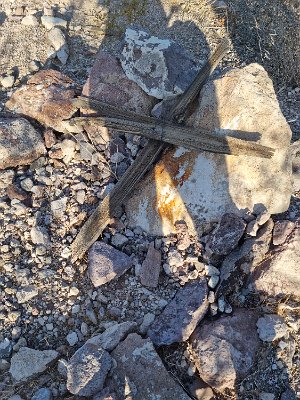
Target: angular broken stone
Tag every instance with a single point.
(151, 267)
(282, 230)
(87, 370)
(141, 372)
(199, 187)
(47, 97)
(224, 350)
(237, 266)
(112, 336)
(279, 273)
(271, 327)
(20, 143)
(106, 263)
(180, 317)
(6, 178)
(27, 363)
(26, 293)
(227, 234)
(161, 67)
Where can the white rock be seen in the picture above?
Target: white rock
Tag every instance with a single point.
(26, 293)
(72, 338)
(6, 178)
(50, 22)
(57, 38)
(29, 362)
(8, 81)
(30, 20)
(200, 187)
(271, 327)
(58, 207)
(213, 281)
(26, 184)
(39, 235)
(211, 270)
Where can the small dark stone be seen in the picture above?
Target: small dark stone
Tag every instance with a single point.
(227, 234)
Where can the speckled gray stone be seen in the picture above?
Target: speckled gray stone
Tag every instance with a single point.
(87, 370)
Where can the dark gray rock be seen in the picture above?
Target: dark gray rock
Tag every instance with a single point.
(237, 265)
(87, 370)
(141, 369)
(106, 263)
(227, 234)
(42, 394)
(161, 67)
(151, 267)
(5, 348)
(20, 143)
(180, 317)
(289, 394)
(224, 350)
(271, 327)
(279, 273)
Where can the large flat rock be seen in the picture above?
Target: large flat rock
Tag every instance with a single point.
(224, 350)
(20, 142)
(141, 373)
(200, 187)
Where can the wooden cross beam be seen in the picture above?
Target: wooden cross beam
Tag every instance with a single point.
(157, 131)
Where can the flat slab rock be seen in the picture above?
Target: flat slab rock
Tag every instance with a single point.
(140, 371)
(224, 350)
(161, 67)
(20, 143)
(27, 363)
(181, 316)
(47, 97)
(200, 187)
(106, 263)
(279, 273)
(87, 370)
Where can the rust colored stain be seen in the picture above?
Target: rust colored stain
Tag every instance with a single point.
(170, 174)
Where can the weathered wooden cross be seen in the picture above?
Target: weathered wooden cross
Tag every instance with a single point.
(161, 133)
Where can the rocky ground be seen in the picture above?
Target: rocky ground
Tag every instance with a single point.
(204, 313)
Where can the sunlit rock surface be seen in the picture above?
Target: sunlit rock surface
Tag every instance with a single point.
(201, 187)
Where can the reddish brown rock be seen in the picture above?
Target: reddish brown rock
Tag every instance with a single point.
(279, 273)
(14, 192)
(49, 137)
(181, 316)
(140, 371)
(224, 350)
(151, 267)
(20, 143)
(107, 82)
(47, 97)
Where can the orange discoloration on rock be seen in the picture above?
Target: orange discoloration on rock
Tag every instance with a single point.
(169, 175)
